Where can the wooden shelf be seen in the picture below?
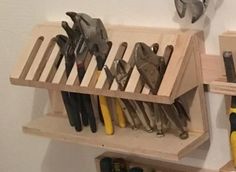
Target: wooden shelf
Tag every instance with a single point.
(213, 67)
(125, 140)
(149, 164)
(229, 167)
(37, 68)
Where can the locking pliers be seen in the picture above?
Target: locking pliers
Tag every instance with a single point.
(197, 8)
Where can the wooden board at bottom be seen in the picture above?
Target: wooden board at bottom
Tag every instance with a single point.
(148, 164)
(229, 167)
(126, 140)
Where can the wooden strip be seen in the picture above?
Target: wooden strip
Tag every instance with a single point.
(38, 58)
(139, 142)
(158, 165)
(133, 81)
(44, 59)
(211, 68)
(60, 72)
(89, 72)
(73, 76)
(50, 63)
(229, 167)
(146, 89)
(31, 57)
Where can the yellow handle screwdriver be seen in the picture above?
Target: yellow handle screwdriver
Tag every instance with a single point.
(231, 77)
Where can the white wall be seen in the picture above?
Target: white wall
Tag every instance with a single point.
(20, 152)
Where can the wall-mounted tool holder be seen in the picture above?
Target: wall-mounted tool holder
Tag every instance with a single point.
(39, 67)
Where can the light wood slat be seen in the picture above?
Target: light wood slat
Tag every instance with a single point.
(146, 89)
(148, 164)
(44, 60)
(102, 78)
(60, 72)
(89, 72)
(73, 76)
(38, 58)
(125, 140)
(49, 64)
(126, 57)
(229, 167)
(134, 79)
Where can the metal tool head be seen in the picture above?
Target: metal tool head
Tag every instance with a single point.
(123, 72)
(197, 8)
(94, 33)
(148, 63)
(110, 75)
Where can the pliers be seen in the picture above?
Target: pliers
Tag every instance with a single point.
(96, 42)
(75, 50)
(197, 8)
(133, 110)
(152, 69)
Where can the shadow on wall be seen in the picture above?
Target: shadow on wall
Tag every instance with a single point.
(61, 157)
(40, 104)
(204, 23)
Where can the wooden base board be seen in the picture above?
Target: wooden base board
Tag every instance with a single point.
(126, 140)
(158, 166)
(229, 167)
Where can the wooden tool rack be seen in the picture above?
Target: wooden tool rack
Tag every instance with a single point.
(39, 67)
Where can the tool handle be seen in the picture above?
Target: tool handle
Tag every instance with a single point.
(71, 105)
(233, 134)
(76, 108)
(83, 110)
(120, 114)
(87, 105)
(69, 110)
(106, 115)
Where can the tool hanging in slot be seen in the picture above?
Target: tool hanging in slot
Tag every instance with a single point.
(152, 69)
(88, 38)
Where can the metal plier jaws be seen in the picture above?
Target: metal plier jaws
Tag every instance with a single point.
(149, 65)
(95, 35)
(197, 8)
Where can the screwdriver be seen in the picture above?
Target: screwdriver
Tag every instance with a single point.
(231, 77)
